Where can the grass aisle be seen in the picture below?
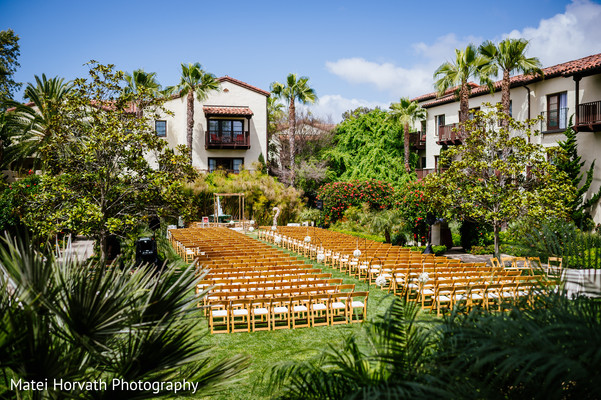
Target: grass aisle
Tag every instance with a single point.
(267, 348)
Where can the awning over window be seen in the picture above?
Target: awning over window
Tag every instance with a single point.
(227, 111)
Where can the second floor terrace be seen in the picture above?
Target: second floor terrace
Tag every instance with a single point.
(588, 118)
(449, 135)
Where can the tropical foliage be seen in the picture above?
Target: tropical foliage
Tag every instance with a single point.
(39, 121)
(467, 65)
(194, 81)
(84, 323)
(294, 89)
(9, 53)
(571, 164)
(508, 56)
(405, 113)
(98, 180)
(338, 196)
(262, 193)
(368, 146)
(391, 363)
(497, 176)
(542, 349)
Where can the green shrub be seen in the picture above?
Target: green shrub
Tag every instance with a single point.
(339, 196)
(399, 239)
(375, 238)
(587, 259)
(438, 250)
(480, 250)
(262, 194)
(475, 234)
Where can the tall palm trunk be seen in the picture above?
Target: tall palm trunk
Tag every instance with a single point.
(190, 123)
(464, 105)
(292, 118)
(406, 143)
(505, 102)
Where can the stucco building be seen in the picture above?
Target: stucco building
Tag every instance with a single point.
(567, 90)
(230, 126)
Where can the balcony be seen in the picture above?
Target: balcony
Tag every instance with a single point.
(554, 120)
(449, 135)
(417, 140)
(589, 117)
(231, 140)
(422, 173)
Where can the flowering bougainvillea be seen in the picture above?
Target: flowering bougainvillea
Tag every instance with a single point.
(338, 196)
(414, 206)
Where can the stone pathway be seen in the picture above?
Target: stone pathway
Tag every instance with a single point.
(460, 254)
(81, 249)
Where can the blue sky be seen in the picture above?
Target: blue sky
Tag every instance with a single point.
(354, 52)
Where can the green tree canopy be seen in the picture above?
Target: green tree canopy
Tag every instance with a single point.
(497, 176)
(194, 81)
(66, 321)
(405, 113)
(467, 65)
(571, 164)
(368, 146)
(9, 53)
(107, 169)
(294, 89)
(509, 56)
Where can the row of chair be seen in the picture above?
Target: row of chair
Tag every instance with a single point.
(229, 292)
(286, 312)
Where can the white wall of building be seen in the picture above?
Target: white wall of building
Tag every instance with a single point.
(589, 143)
(230, 94)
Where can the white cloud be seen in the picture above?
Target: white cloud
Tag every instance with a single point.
(564, 37)
(387, 77)
(443, 49)
(331, 106)
(400, 81)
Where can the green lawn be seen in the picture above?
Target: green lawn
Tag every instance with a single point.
(267, 348)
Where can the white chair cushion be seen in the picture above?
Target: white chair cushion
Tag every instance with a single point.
(219, 313)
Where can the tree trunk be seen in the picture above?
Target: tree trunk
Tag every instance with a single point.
(190, 123)
(387, 238)
(464, 105)
(102, 246)
(406, 141)
(496, 229)
(505, 101)
(292, 118)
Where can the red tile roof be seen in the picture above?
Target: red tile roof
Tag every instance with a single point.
(227, 110)
(583, 66)
(244, 85)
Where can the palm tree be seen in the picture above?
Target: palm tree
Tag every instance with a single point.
(47, 96)
(406, 112)
(275, 114)
(142, 83)
(392, 362)
(81, 322)
(294, 89)
(468, 64)
(194, 80)
(12, 126)
(509, 56)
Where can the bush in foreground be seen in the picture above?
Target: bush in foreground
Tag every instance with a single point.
(86, 323)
